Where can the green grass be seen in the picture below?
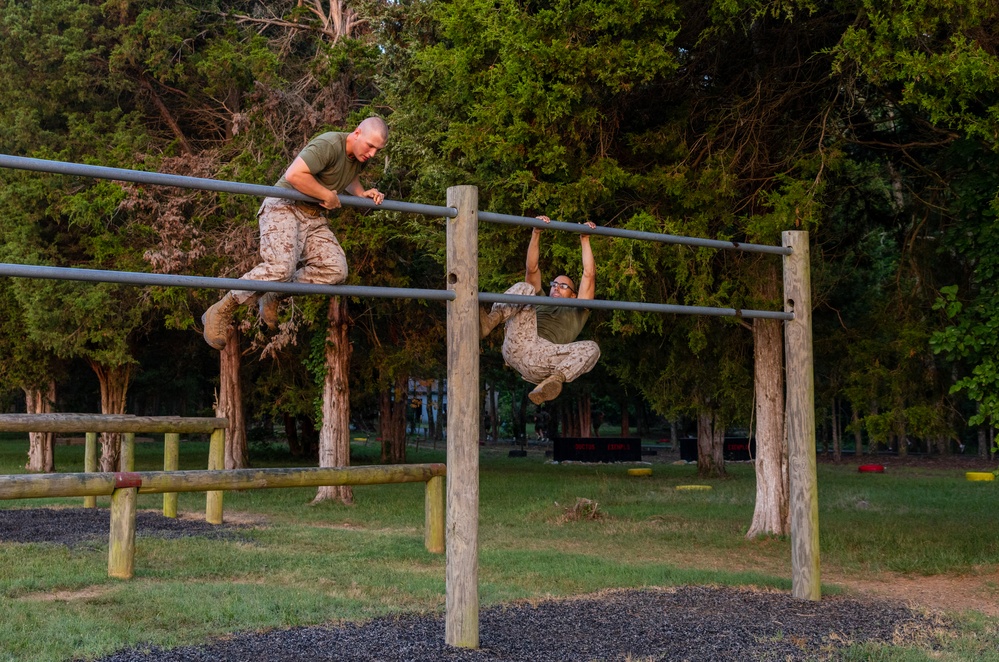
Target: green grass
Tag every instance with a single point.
(308, 564)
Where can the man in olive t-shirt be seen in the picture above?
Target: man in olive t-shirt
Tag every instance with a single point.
(540, 340)
(296, 244)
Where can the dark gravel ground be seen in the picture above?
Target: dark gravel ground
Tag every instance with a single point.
(76, 526)
(692, 623)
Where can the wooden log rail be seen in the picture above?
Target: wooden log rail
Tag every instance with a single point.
(170, 426)
(124, 487)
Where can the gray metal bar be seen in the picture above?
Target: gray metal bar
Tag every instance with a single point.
(205, 282)
(172, 280)
(601, 304)
(141, 177)
(507, 219)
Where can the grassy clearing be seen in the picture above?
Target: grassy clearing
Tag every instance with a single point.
(302, 564)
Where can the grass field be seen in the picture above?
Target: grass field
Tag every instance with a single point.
(298, 564)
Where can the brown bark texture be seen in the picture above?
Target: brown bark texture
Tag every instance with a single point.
(772, 513)
(230, 404)
(334, 434)
(394, 405)
(710, 445)
(114, 381)
(41, 456)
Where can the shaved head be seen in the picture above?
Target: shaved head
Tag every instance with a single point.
(374, 126)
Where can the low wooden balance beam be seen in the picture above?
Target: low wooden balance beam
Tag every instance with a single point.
(124, 488)
(170, 426)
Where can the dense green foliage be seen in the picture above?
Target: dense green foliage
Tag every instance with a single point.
(873, 126)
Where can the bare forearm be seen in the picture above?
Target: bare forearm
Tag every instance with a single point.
(533, 273)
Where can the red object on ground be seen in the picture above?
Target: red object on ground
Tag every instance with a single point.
(871, 468)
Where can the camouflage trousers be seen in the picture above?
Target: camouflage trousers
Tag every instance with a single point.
(290, 237)
(537, 359)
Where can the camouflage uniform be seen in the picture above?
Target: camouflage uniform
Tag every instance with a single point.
(293, 234)
(536, 358)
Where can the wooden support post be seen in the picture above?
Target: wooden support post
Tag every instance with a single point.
(90, 465)
(216, 460)
(121, 547)
(461, 626)
(127, 459)
(805, 579)
(171, 462)
(434, 515)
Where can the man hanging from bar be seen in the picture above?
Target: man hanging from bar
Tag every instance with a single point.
(296, 233)
(540, 340)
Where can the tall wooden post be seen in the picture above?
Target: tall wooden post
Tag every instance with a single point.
(216, 460)
(805, 579)
(171, 462)
(434, 515)
(121, 544)
(90, 465)
(462, 536)
(127, 459)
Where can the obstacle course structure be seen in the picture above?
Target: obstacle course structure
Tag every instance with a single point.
(463, 298)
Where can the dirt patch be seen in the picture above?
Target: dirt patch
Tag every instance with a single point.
(946, 593)
(88, 593)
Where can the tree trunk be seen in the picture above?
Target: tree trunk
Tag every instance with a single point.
(291, 434)
(585, 415)
(983, 442)
(903, 440)
(41, 455)
(772, 512)
(114, 381)
(718, 445)
(441, 414)
(625, 424)
(858, 434)
(230, 404)
(837, 433)
(431, 415)
(708, 465)
(334, 435)
(493, 396)
(394, 406)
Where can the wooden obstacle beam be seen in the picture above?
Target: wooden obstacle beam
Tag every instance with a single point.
(124, 487)
(170, 426)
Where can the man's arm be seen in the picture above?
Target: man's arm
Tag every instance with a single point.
(355, 188)
(588, 283)
(533, 273)
(299, 176)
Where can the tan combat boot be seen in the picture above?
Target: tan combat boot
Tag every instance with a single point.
(218, 319)
(547, 390)
(488, 321)
(267, 308)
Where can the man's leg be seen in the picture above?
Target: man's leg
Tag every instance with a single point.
(546, 364)
(323, 262)
(281, 242)
(500, 313)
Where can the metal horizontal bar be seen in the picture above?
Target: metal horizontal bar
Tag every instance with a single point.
(205, 282)
(31, 486)
(507, 219)
(601, 304)
(160, 179)
(107, 423)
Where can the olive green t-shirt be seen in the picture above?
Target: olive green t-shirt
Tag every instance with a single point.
(326, 156)
(560, 324)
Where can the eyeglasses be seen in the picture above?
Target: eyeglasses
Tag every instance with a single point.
(562, 286)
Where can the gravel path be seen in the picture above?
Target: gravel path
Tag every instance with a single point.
(693, 623)
(75, 526)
